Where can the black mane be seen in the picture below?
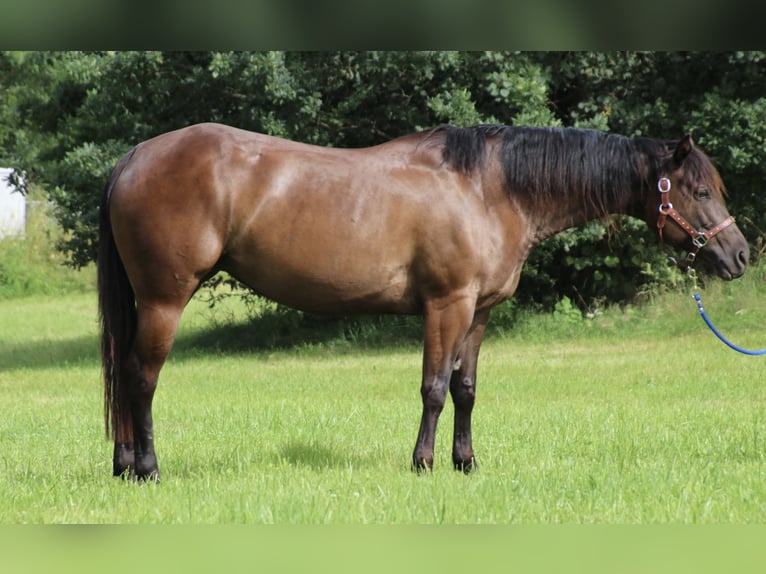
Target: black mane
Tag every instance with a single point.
(543, 164)
(465, 149)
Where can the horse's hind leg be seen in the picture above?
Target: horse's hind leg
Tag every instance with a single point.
(156, 330)
(124, 459)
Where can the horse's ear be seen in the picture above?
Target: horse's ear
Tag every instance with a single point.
(683, 149)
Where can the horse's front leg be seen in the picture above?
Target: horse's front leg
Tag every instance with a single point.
(463, 391)
(446, 325)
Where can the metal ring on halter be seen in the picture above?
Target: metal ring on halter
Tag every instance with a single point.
(665, 209)
(700, 241)
(663, 185)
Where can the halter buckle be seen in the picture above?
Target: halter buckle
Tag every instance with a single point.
(663, 185)
(700, 241)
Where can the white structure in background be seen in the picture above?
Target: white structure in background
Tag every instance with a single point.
(13, 207)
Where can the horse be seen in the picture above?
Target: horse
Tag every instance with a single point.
(437, 223)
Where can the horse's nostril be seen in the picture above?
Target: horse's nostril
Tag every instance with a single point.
(742, 256)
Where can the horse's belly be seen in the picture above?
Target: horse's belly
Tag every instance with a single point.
(328, 288)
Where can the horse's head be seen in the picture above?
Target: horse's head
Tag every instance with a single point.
(691, 214)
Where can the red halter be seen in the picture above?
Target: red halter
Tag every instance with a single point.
(699, 238)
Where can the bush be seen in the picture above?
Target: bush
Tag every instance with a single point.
(68, 116)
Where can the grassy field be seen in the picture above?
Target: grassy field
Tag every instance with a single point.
(637, 416)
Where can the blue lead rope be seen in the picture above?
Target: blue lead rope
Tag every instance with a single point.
(718, 334)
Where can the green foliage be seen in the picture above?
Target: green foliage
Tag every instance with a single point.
(618, 260)
(68, 116)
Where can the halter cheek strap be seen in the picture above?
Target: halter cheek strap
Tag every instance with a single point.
(699, 238)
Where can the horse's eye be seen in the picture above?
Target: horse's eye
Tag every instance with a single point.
(702, 193)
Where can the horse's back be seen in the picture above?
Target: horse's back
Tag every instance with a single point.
(323, 229)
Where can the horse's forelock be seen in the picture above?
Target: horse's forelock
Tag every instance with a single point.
(699, 168)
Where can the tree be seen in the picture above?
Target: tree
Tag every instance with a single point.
(69, 116)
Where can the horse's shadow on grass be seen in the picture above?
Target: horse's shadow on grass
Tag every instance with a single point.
(292, 455)
(316, 456)
(290, 330)
(283, 330)
(44, 354)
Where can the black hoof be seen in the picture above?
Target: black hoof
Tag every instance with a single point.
(147, 469)
(123, 473)
(422, 466)
(153, 477)
(130, 474)
(466, 466)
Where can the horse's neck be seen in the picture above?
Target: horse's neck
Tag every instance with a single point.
(565, 179)
(572, 210)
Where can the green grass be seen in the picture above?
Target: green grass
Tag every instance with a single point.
(30, 266)
(635, 416)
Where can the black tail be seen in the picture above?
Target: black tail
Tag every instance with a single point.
(117, 311)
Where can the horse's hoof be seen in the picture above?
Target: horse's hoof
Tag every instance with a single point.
(152, 476)
(422, 466)
(466, 466)
(123, 473)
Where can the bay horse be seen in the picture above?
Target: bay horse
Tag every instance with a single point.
(436, 223)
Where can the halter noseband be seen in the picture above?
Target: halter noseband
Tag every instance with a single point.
(699, 238)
